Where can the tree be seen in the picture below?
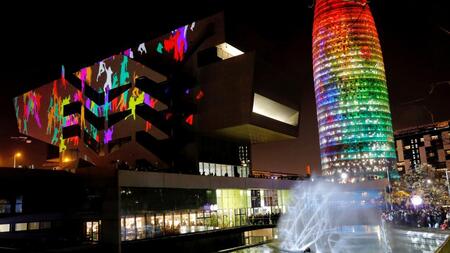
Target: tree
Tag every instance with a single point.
(421, 181)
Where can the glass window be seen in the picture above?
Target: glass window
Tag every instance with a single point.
(150, 225)
(130, 226)
(123, 230)
(212, 169)
(177, 222)
(5, 206)
(140, 227)
(256, 198)
(33, 226)
(230, 171)
(19, 204)
(92, 229)
(224, 171)
(200, 168)
(159, 221)
(168, 222)
(45, 225)
(96, 230)
(21, 226)
(206, 168)
(184, 226)
(192, 219)
(4, 228)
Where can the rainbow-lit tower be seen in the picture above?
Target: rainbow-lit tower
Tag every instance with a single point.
(353, 112)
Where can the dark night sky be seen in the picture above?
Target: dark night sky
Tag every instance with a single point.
(415, 44)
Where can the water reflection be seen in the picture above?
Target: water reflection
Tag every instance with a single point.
(403, 241)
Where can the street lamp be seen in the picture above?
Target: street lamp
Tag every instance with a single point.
(416, 200)
(18, 154)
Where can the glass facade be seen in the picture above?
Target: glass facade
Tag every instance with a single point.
(229, 208)
(353, 112)
(92, 230)
(223, 170)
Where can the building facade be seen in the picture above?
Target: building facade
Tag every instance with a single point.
(353, 114)
(427, 144)
(162, 134)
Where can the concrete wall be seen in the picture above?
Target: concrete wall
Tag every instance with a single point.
(184, 181)
(168, 180)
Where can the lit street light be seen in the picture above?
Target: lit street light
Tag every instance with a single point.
(18, 154)
(416, 200)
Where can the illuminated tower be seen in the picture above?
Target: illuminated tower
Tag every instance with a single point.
(353, 113)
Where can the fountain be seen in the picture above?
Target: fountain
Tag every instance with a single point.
(323, 217)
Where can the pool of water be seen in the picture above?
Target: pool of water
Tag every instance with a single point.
(367, 239)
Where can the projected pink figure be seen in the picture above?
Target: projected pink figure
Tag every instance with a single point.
(108, 135)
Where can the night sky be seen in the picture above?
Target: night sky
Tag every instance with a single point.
(414, 35)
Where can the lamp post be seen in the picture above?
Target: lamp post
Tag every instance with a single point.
(18, 154)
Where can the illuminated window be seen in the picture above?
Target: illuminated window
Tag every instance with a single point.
(5, 206)
(200, 168)
(92, 230)
(45, 225)
(4, 228)
(206, 168)
(21, 226)
(421, 139)
(130, 228)
(19, 204)
(274, 110)
(140, 227)
(33, 226)
(434, 137)
(408, 147)
(226, 51)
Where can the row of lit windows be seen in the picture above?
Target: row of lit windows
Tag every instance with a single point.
(24, 226)
(355, 123)
(214, 169)
(355, 112)
(5, 205)
(332, 62)
(323, 70)
(141, 226)
(363, 92)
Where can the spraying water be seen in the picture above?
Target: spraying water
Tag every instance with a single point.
(325, 218)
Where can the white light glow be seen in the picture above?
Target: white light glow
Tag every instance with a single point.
(274, 110)
(416, 200)
(226, 51)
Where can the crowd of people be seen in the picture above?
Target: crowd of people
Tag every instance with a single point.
(261, 219)
(424, 216)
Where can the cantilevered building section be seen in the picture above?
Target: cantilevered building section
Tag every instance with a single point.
(353, 112)
(172, 103)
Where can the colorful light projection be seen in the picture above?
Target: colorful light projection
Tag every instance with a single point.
(177, 42)
(40, 112)
(353, 112)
